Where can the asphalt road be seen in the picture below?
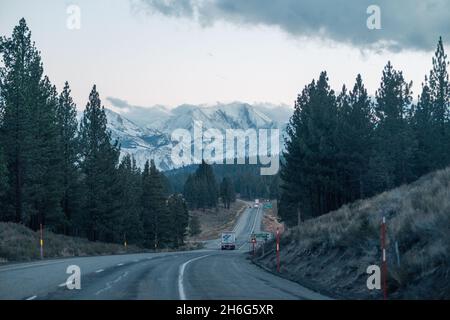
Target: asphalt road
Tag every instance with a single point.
(195, 275)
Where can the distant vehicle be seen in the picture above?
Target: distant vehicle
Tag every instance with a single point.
(228, 241)
(256, 203)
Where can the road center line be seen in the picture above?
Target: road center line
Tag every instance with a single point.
(181, 276)
(100, 270)
(120, 264)
(31, 298)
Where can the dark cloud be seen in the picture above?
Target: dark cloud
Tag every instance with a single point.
(119, 103)
(411, 24)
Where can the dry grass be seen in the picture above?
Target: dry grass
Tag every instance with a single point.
(332, 252)
(214, 221)
(270, 220)
(18, 243)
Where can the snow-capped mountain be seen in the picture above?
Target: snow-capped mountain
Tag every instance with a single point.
(145, 133)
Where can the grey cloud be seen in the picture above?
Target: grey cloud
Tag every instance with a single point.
(406, 24)
(119, 103)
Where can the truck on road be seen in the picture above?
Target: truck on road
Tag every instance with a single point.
(228, 241)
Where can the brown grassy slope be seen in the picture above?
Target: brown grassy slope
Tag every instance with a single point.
(331, 253)
(18, 243)
(215, 221)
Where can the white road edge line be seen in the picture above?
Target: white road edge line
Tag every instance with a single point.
(100, 270)
(181, 276)
(120, 264)
(253, 226)
(31, 298)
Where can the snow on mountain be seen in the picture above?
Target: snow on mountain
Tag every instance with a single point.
(145, 132)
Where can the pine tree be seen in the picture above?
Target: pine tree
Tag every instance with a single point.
(3, 184)
(424, 131)
(155, 217)
(179, 219)
(201, 190)
(21, 74)
(354, 140)
(189, 191)
(227, 192)
(194, 226)
(101, 187)
(309, 172)
(43, 189)
(130, 205)
(393, 155)
(69, 151)
(440, 101)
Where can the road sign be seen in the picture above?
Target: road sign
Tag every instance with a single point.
(268, 205)
(264, 236)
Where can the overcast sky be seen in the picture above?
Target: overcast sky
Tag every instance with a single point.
(170, 52)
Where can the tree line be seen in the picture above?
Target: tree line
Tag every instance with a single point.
(243, 180)
(348, 146)
(68, 176)
(202, 191)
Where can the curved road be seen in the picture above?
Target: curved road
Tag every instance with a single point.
(202, 274)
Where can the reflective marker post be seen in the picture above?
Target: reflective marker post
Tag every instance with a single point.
(278, 250)
(41, 242)
(384, 262)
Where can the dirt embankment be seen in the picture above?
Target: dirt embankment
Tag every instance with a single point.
(18, 243)
(214, 221)
(331, 253)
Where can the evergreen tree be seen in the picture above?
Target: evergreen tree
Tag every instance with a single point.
(309, 171)
(69, 151)
(3, 184)
(393, 154)
(130, 202)
(354, 140)
(155, 216)
(424, 132)
(43, 190)
(21, 74)
(440, 101)
(189, 191)
(227, 192)
(100, 159)
(194, 226)
(201, 190)
(179, 219)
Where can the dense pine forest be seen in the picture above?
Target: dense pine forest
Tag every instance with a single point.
(245, 180)
(348, 146)
(68, 176)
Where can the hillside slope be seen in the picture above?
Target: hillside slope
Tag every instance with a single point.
(331, 253)
(18, 243)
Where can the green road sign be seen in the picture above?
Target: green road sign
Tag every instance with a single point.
(262, 236)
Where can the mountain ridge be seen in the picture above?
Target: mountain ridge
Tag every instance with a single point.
(145, 133)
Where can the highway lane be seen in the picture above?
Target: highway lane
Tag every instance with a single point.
(201, 274)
